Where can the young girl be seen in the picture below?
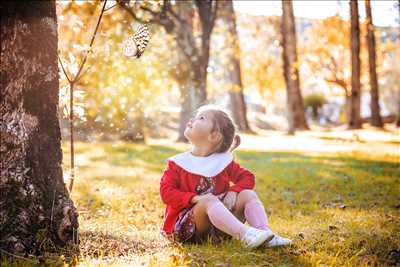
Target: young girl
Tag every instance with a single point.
(208, 195)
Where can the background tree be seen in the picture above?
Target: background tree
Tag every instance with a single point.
(233, 54)
(261, 58)
(191, 24)
(376, 119)
(295, 104)
(398, 108)
(326, 53)
(355, 118)
(315, 102)
(35, 204)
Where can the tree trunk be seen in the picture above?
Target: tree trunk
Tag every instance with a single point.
(376, 119)
(295, 103)
(34, 205)
(355, 119)
(347, 107)
(187, 87)
(398, 99)
(238, 105)
(186, 70)
(178, 18)
(193, 60)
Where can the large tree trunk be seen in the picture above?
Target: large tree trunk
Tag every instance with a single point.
(398, 99)
(193, 59)
(191, 24)
(295, 103)
(238, 105)
(355, 118)
(34, 205)
(376, 119)
(187, 75)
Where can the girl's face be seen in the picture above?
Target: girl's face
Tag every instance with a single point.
(198, 129)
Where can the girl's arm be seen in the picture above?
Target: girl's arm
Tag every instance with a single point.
(241, 177)
(170, 192)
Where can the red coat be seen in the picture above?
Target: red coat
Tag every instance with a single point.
(177, 187)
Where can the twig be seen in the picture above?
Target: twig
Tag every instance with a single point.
(91, 42)
(71, 127)
(110, 7)
(62, 66)
(83, 73)
(18, 256)
(123, 6)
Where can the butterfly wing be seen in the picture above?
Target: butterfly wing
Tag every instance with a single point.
(130, 48)
(141, 38)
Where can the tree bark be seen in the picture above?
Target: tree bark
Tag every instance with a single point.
(376, 119)
(355, 118)
(193, 58)
(180, 18)
(295, 105)
(238, 105)
(34, 204)
(188, 75)
(398, 99)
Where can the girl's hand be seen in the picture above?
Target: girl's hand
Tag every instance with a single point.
(230, 200)
(197, 198)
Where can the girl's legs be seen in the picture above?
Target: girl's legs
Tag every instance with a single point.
(248, 207)
(211, 211)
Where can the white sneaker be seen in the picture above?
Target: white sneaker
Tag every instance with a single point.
(279, 241)
(255, 237)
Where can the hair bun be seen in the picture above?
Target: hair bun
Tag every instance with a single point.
(235, 143)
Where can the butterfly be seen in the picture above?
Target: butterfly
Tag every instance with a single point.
(134, 46)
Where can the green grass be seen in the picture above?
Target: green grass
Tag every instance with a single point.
(341, 209)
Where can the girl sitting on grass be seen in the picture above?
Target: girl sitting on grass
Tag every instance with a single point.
(208, 195)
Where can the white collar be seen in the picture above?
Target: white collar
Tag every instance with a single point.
(205, 166)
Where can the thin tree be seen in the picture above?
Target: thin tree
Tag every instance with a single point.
(238, 105)
(295, 105)
(35, 205)
(72, 82)
(376, 119)
(355, 118)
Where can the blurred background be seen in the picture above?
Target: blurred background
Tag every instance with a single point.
(232, 58)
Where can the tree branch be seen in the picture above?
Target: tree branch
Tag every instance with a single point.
(91, 42)
(141, 20)
(63, 69)
(110, 7)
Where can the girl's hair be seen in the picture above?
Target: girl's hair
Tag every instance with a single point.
(223, 123)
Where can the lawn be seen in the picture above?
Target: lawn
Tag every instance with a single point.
(341, 207)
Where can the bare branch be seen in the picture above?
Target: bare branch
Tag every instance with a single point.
(133, 14)
(110, 7)
(342, 83)
(62, 66)
(91, 42)
(152, 12)
(83, 73)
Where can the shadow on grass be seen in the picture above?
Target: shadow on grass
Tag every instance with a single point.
(99, 244)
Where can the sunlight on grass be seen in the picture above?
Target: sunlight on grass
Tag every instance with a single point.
(341, 209)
